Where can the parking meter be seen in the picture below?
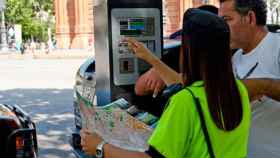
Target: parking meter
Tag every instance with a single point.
(117, 69)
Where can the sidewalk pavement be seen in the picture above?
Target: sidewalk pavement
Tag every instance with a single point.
(55, 54)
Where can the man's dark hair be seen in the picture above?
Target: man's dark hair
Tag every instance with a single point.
(209, 8)
(257, 6)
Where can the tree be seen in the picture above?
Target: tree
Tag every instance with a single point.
(28, 14)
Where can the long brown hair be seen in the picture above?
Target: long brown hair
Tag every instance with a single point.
(207, 57)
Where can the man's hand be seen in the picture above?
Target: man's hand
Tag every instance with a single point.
(149, 83)
(154, 82)
(255, 89)
(259, 87)
(89, 141)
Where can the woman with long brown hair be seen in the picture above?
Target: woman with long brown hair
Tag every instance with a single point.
(210, 117)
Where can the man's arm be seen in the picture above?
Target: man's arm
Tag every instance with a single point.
(263, 86)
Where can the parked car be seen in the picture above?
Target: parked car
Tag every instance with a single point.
(18, 133)
(273, 28)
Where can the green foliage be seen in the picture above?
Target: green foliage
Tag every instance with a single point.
(27, 13)
(46, 5)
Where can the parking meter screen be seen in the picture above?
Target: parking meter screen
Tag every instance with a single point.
(137, 26)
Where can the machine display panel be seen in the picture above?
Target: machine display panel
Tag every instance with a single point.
(144, 25)
(137, 26)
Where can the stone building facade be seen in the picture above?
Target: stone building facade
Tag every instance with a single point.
(174, 11)
(74, 20)
(74, 23)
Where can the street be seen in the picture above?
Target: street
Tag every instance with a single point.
(43, 88)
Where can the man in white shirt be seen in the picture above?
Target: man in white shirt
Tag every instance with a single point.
(262, 61)
(259, 57)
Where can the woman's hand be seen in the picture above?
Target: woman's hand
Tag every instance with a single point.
(89, 141)
(139, 49)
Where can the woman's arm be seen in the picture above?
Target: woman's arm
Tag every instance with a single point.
(168, 75)
(256, 87)
(89, 142)
(259, 87)
(115, 152)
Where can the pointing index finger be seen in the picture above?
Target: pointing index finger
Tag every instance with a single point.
(132, 41)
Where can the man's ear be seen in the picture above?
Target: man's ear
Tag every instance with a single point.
(252, 18)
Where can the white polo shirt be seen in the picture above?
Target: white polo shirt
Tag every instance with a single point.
(265, 58)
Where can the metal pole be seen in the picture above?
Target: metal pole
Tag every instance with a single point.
(3, 32)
